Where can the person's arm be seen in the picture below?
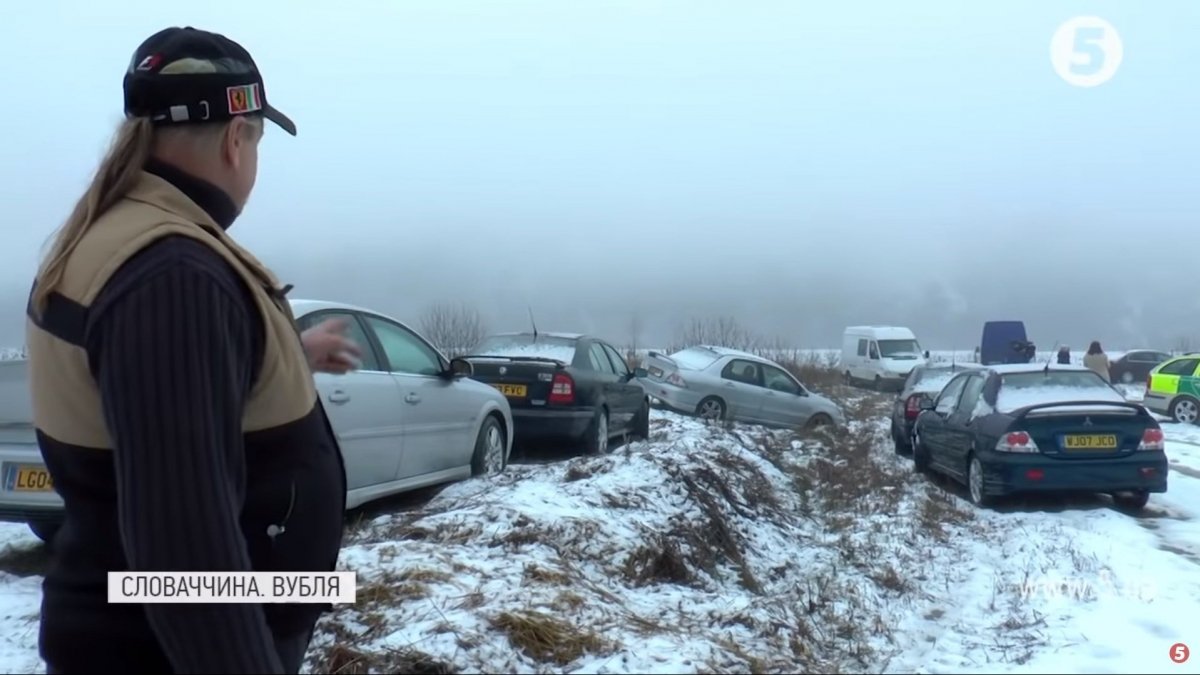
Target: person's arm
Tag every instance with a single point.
(173, 357)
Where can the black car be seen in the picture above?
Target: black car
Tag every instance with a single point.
(1135, 366)
(564, 387)
(1040, 428)
(922, 385)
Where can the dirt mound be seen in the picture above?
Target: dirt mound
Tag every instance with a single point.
(711, 549)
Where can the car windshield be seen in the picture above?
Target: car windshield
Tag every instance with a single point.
(527, 345)
(899, 349)
(694, 358)
(1073, 379)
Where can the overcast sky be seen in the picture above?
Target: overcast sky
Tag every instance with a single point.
(800, 165)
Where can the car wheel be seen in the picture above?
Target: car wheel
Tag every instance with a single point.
(975, 482)
(1127, 377)
(711, 408)
(920, 454)
(597, 438)
(903, 447)
(489, 457)
(1185, 410)
(818, 421)
(1135, 500)
(45, 529)
(641, 423)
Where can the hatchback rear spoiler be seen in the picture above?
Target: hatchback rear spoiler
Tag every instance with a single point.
(1137, 408)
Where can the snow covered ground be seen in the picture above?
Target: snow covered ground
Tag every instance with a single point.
(714, 550)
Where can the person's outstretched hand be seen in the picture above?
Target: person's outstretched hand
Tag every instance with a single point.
(328, 349)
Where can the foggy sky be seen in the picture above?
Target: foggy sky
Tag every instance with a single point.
(798, 165)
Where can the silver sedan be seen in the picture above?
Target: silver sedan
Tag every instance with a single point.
(408, 418)
(727, 384)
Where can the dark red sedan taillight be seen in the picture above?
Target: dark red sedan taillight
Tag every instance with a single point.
(912, 407)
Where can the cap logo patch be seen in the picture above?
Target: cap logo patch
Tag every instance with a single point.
(149, 62)
(243, 99)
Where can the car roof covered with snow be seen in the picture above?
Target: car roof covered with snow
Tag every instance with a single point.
(932, 378)
(721, 352)
(1056, 384)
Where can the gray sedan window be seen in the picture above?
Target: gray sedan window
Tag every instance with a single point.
(599, 359)
(354, 332)
(745, 372)
(778, 380)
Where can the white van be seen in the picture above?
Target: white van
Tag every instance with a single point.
(879, 356)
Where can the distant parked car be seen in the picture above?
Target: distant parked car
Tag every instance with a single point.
(727, 384)
(564, 387)
(408, 418)
(922, 385)
(1007, 429)
(1135, 366)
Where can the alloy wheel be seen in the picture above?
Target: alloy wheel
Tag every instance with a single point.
(1186, 411)
(493, 450)
(975, 480)
(602, 434)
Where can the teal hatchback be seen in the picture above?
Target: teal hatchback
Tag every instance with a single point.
(1008, 429)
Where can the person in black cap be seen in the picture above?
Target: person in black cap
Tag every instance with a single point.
(174, 401)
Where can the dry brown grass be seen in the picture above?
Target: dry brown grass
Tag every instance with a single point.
(940, 510)
(659, 562)
(340, 659)
(537, 573)
(548, 639)
(810, 614)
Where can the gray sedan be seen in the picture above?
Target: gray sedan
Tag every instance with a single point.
(720, 383)
(408, 418)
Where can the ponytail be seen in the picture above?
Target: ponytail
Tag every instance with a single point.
(114, 178)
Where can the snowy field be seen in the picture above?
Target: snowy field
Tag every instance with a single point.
(715, 550)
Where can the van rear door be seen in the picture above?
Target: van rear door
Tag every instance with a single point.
(998, 336)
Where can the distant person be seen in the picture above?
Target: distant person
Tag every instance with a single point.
(1064, 355)
(173, 397)
(977, 355)
(1096, 360)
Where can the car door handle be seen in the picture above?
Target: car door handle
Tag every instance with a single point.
(729, 384)
(412, 398)
(338, 396)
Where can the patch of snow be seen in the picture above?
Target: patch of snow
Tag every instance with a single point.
(20, 603)
(694, 358)
(703, 550)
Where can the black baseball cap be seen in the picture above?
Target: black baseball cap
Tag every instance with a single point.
(189, 76)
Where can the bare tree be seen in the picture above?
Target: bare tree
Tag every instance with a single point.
(635, 332)
(1183, 344)
(722, 331)
(453, 328)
